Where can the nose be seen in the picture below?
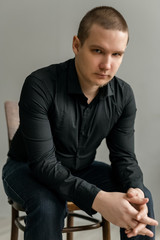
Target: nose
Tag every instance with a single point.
(105, 63)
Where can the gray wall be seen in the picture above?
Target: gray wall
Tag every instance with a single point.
(38, 33)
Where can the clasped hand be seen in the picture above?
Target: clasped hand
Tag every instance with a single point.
(136, 198)
(127, 211)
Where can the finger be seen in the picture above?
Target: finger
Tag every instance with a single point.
(138, 200)
(143, 211)
(133, 232)
(140, 230)
(128, 231)
(132, 224)
(147, 232)
(135, 192)
(149, 221)
(131, 192)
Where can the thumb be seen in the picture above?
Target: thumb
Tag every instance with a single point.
(132, 192)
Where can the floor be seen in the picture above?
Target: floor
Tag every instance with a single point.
(88, 235)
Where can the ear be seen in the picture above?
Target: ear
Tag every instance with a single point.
(76, 45)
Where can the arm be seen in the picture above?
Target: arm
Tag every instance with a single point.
(120, 142)
(125, 166)
(35, 102)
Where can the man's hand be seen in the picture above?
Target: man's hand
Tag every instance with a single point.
(136, 198)
(127, 211)
(115, 207)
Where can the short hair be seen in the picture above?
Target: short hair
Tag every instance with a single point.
(105, 16)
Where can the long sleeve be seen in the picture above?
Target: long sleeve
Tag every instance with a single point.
(120, 142)
(34, 105)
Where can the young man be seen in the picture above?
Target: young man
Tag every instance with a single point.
(66, 110)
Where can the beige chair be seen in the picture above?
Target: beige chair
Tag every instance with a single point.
(12, 119)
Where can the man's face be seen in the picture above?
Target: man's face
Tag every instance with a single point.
(99, 58)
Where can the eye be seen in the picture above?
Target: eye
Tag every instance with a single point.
(97, 51)
(117, 54)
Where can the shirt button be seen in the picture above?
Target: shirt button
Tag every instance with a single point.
(82, 132)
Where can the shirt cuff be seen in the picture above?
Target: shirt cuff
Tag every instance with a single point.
(84, 197)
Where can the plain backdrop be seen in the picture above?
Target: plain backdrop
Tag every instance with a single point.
(37, 33)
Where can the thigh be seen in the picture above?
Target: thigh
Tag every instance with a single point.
(101, 175)
(21, 187)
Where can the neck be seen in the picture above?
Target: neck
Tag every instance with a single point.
(90, 93)
(89, 90)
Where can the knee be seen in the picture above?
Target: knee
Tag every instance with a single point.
(147, 193)
(45, 216)
(48, 206)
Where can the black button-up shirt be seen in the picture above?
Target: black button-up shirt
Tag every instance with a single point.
(59, 131)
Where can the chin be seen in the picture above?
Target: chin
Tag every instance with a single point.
(103, 84)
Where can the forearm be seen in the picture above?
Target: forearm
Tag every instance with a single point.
(127, 172)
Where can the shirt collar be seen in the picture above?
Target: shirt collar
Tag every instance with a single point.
(74, 85)
(73, 82)
(106, 91)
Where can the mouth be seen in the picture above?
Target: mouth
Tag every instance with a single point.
(101, 75)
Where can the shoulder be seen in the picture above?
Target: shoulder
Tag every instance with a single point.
(41, 85)
(50, 73)
(48, 77)
(121, 89)
(123, 97)
(120, 85)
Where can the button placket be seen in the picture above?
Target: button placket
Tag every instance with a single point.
(84, 130)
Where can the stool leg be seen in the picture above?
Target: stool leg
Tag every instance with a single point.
(70, 224)
(106, 230)
(14, 229)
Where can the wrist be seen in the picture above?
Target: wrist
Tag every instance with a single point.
(98, 201)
